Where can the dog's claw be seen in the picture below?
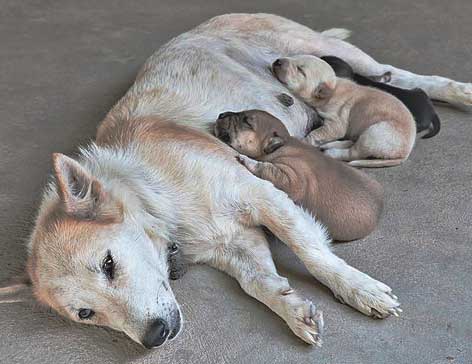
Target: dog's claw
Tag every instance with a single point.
(305, 321)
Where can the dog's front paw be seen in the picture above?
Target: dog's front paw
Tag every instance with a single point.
(369, 296)
(247, 162)
(304, 320)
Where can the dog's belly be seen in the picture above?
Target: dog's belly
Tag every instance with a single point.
(206, 75)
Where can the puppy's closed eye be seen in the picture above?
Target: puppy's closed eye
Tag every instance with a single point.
(247, 122)
(300, 69)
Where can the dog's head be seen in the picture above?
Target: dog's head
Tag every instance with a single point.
(253, 133)
(91, 261)
(308, 77)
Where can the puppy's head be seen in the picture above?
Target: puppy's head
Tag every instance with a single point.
(91, 261)
(309, 77)
(253, 133)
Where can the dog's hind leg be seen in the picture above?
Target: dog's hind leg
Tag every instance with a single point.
(267, 206)
(437, 87)
(249, 260)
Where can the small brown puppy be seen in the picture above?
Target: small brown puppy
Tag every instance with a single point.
(376, 124)
(346, 200)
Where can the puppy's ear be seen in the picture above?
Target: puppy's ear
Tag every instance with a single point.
(82, 195)
(323, 92)
(273, 143)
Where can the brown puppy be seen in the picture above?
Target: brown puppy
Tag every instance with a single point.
(346, 200)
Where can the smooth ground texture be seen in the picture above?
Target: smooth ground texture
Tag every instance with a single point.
(62, 66)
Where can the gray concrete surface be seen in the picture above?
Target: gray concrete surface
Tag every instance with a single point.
(62, 66)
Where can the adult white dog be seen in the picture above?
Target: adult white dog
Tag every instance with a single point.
(156, 177)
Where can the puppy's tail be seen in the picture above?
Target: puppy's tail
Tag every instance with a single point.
(338, 33)
(433, 128)
(375, 163)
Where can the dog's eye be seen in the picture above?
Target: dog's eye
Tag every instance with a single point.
(86, 313)
(173, 249)
(108, 266)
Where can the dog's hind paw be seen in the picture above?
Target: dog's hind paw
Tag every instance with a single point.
(305, 320)
(460, 94)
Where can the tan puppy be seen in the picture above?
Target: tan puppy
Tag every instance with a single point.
(379, 129)
(346, 200)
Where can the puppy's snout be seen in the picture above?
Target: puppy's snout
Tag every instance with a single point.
(156, 334)
(277, 63)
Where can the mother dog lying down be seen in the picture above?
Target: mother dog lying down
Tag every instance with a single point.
(156, 177)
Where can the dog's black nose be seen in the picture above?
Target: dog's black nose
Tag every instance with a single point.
(225, 114)
(156, 334)
(277, 63)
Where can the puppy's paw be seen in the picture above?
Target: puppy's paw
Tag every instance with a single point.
(342, 144)
(337, 153)
(369, 296)
(304, 320)
(247, 162)
(312, 140)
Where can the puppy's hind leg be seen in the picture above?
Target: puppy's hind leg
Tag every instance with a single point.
(248, 259)
(382, 142)
(375, 163)
(350, 155)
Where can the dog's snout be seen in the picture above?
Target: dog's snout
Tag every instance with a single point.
(156, 334)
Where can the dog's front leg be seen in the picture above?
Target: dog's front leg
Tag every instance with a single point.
(249, 260)
(267, 206)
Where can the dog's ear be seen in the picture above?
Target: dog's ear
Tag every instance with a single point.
(82, 194)
(323, 92)
(272, 144)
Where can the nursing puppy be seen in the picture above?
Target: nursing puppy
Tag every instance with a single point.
(376, 125)
(416, 100)
(346, 200)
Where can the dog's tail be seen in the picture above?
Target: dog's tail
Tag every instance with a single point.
(338, 33)
(433, 128)
(375, 163)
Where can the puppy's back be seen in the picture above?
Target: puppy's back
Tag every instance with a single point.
(346, 200)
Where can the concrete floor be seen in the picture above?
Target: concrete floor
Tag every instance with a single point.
(62, 66)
